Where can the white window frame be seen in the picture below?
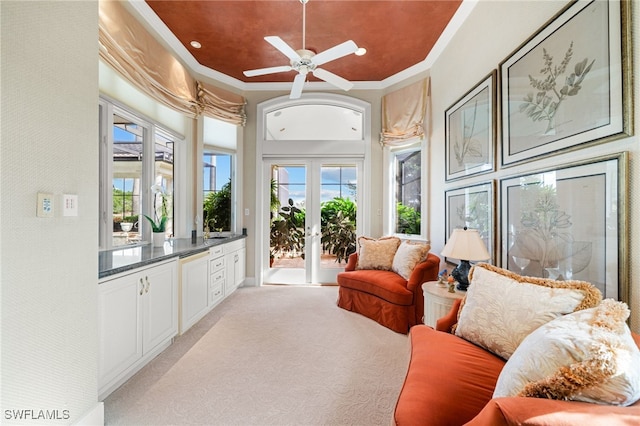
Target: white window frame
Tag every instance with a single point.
(109, 107)
(235, 190)
(390, 155)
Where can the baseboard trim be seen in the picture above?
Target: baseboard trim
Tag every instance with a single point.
(94, 417)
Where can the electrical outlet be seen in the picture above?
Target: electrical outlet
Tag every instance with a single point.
(45, 205)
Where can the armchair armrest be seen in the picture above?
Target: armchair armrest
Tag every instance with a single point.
(352, 262)
(448, 321)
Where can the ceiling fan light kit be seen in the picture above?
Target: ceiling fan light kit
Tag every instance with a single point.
(306, 61)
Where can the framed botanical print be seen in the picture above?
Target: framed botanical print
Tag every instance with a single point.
(470, 131)
(569, 223)
(569, 84)
(473, 207)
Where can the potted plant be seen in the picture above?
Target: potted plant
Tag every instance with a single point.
(159, 224)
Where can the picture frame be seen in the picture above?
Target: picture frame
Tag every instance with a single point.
(569, 85)
(569, 223)
(470, 131)
(474, 207)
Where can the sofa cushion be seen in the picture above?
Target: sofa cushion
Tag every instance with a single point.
(407, 257)
(501, 308)
(449, 380)
(587, 356)
(377, 254)
(386, 285)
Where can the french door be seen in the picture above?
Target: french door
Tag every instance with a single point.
(313, 218)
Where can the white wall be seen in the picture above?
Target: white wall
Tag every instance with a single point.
(48, 266)
(490, 34)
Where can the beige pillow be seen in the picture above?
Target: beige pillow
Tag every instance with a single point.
(377, 254)
(585, 356)
(501, 308)
(409, 254)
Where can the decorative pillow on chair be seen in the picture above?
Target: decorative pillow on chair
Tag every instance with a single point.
(409, 254)
(377, 254)
(585, 356)
(501, 308)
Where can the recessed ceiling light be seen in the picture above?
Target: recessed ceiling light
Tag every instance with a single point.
(196, 44)
(361, 51)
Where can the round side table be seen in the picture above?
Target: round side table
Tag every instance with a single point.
(437, 301)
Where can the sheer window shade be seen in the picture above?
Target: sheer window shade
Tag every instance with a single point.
(129, 48)
(404, 113)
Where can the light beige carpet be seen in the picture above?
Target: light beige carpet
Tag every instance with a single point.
(274, 355)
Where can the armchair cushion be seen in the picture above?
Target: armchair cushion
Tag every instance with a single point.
(407, 257)
(377, 254)
(498, 312)
(587, 356)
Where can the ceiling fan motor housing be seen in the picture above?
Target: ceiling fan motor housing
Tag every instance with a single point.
(304, 65)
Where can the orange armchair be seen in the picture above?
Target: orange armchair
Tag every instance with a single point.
(385, 296)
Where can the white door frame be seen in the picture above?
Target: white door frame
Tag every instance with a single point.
(350, 149)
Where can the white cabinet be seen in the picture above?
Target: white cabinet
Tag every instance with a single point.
(194, 289)
(138, 317)
(235, 254)
(217, 275)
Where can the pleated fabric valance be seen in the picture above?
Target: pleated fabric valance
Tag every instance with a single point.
(129, 48)
(404, 113)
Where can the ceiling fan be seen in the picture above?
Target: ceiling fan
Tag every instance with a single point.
(306, 61)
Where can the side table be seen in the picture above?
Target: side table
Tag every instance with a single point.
(437, 301)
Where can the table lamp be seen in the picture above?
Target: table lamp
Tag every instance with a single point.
(465, 245)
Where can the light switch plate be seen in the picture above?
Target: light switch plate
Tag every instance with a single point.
(45, 205)
(69, 205)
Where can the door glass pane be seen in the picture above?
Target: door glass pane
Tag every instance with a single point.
(337, 214)
(126, 179)
(288, 204)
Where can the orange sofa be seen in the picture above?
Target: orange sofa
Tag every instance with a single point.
(385, 296)
(450, 381)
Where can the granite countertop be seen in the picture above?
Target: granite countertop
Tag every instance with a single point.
(124, 259)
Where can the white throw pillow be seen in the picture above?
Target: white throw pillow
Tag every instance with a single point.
(377, 254)
(501, 308)
(585, 356)
(407, 257)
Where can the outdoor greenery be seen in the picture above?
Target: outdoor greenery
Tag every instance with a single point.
(287, 232)
(217, 209)
(408, 220)
(338, 224)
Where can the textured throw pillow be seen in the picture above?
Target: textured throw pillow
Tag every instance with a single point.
(409, 254)
(585, 356)
(377, 254)
(501, 308)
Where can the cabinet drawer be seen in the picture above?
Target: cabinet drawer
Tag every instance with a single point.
(217, 276)
(216, 292)
(216, 264)
(216, 251)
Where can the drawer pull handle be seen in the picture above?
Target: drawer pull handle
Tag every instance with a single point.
(141, 286)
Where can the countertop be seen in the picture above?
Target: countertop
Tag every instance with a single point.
(123, 259)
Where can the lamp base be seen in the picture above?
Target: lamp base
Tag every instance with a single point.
(461, 274)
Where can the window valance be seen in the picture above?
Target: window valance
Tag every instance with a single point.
(129, 48)
(404, 113)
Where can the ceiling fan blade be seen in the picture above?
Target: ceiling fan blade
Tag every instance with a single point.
(283, 47)
(298, 84)
(335, 52)
(270, 70)
(331, 78)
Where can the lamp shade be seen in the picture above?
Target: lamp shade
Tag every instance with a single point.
(466, 244)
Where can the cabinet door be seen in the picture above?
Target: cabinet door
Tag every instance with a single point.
(194, 290)
(159, 305)
(119, 330)
(241, 273)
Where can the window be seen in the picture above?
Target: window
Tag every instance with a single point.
(408, 192)
(136, 178)
(217, 188)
